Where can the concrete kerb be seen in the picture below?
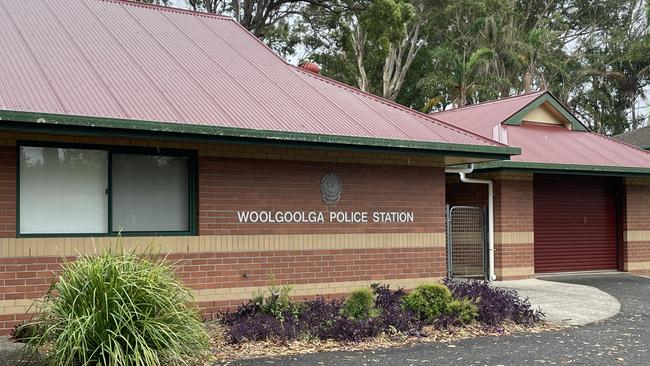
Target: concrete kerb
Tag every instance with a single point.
(565, 303)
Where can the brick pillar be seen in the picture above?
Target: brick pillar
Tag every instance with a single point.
(513, 221)
(636, 226)
(7, 191)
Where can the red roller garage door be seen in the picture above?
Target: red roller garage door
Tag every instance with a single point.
(575, 223)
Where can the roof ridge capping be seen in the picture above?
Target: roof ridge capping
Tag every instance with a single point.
(493, 101)
(398, 106)
(170, 9)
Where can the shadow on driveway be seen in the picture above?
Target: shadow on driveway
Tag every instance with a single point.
(621, 340)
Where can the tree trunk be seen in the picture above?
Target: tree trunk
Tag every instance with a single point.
(396, 67)
(359, 45)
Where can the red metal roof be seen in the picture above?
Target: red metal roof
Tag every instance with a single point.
(558, 145)
(123, 60)
(545, 144)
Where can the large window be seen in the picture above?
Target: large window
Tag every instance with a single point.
(70, 190)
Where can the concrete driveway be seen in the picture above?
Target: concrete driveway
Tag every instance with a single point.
(621, 340)
(566, 303)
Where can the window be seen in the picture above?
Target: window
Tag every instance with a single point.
(150, 192)
(70, 191)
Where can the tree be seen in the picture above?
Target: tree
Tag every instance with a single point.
(381, 38)
(459, 79)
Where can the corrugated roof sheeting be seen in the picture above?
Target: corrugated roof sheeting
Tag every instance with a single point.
(482, 117)
(115, 59)
(545, 144)
(558, 145)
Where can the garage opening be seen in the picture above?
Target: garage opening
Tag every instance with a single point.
(576, 223)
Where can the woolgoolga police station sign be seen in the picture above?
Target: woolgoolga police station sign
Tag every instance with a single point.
(330, 188)
(316, 217)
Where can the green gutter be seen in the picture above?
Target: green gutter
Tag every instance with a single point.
(35, 121)
(562, 168)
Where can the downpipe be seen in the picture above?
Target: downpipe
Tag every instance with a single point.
(462, 172)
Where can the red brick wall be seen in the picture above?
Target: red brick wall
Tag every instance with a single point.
(7, 192)
(464, 194)
(513, 205)
(29, 278)
(513, 212)
(227, 185)
(636, 223)
(230, 185)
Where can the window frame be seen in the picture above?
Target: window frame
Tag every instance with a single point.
(192, 213)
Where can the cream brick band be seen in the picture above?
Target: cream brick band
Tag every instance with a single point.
(21, 306)
(24, 306)
(514, 272)
(637, 266)
(636, 235)
(520, 237)
(48, 247)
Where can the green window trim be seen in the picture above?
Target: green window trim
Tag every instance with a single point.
(192, 187)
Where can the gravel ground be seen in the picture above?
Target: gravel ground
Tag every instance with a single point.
(621, 340)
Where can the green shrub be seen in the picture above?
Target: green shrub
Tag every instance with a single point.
(278, 302)
(464, 310)
(428, 301)
(360, 305)
(119, 310)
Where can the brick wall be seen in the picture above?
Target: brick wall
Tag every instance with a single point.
(230, 185)
(7, 191)
(513, 218)
(229, 261)
(636, 224)
(464, 194)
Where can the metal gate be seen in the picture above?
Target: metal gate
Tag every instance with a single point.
(466, 242)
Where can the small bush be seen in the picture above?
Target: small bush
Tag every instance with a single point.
(464, 310)
(360, 305)
(119, 310)
(428, 301)
(495, 305)
(277, 303)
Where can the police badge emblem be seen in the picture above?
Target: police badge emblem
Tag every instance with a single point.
(330, 188)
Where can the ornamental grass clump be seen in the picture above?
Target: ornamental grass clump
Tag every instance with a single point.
(119, 310)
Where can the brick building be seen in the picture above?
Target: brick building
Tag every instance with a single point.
(573, 200)
(182, 130)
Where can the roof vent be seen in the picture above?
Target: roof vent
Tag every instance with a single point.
(310, 66)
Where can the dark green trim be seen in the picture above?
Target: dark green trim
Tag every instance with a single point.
(191, 156)
(187, 132)
(644, 147)
(547, 97)
(562, 168)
